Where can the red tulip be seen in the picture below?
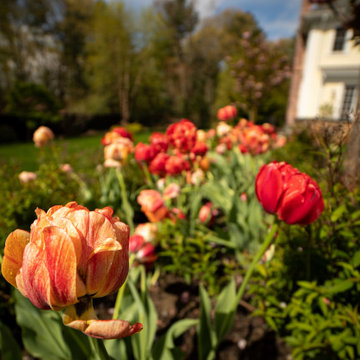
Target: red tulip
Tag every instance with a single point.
(200, 149)
(226, 113)
(176, 165)
(157, 165)
(70, 256)
(159, 142)
(144, 152)
(182, 135)
(292, 195)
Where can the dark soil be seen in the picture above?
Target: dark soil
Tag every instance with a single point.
(250, 338)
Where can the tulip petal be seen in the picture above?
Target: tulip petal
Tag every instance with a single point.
(107, 271)
(13, 254)
(101, 230)
(269, 187)
(111, 329)
(61, 263)
(82, 317)
(35, 277)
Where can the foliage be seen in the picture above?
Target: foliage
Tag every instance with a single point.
(34, 103)
(308, 291)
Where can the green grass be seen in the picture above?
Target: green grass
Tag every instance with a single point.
(76, 151)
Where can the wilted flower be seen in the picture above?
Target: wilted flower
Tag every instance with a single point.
(27, 176)
(70, 256)
(292, 195)
(42, 136)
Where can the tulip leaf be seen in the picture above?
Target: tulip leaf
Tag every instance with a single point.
(225, 310)
(9, 348)
(163, 348)
(41, 331)
(206, 334)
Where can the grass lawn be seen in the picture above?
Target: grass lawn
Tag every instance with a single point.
(76, 151)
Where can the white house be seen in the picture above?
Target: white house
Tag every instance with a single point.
(326, 72)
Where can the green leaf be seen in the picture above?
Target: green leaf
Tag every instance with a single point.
(337, 213)
(41, 330)
(9, 348)
(162, 347)
(206, 334)
(340, 286)
(356, 259)
(225, 310)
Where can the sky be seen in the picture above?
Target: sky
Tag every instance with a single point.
(278, 18)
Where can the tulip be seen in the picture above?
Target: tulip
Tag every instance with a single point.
(152, 204)
(182, 135)
(70, 256)
(200, 149)
(144, 251)
(144, 152)
(172, 191)
(118, 150)
(147, 230)
(175, 165)
(157, 165)
(227, 113)
(42, 136)
(115, 134)
(27, 176)
(159, 142)
(207, 213)
(292, 195)
(222, 129)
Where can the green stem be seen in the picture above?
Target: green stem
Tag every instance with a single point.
(148, 176)
(125, 202)
(269, 238)
(99, 348)
(120, 293)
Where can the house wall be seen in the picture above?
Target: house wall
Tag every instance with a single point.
(326, 74)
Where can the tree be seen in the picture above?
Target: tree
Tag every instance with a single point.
(258, 67)
(116, 58)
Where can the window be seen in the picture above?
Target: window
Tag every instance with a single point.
(348, 100)
(340, 38)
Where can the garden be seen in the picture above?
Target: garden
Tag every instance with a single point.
(153, 203)
(187, 244)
